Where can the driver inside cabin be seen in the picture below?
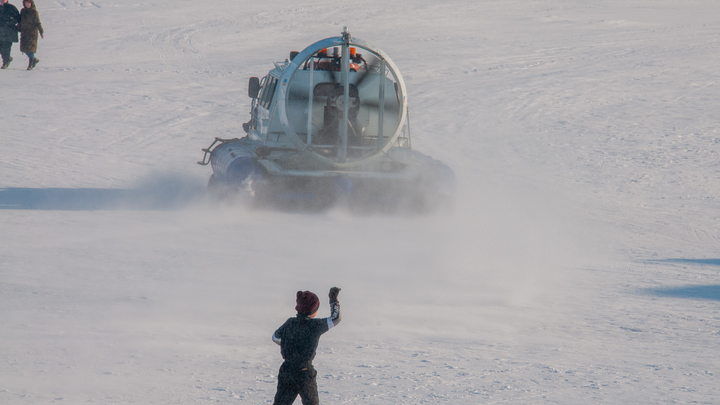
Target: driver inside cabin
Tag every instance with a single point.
(328, 101)
(331, 97)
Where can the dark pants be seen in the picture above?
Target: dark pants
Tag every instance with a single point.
(5, 50)
(293, 380)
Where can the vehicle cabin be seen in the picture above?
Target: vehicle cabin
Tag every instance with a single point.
(315, 104)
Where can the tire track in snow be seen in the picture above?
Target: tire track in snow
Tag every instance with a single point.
(177, 50)
(186, 49)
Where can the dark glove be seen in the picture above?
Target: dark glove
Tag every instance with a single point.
(334, 294)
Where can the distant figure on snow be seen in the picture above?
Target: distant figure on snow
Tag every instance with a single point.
(9, 19)
(29, 28)
(298, 338)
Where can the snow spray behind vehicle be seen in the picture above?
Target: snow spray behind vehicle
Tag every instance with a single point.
(330, 124)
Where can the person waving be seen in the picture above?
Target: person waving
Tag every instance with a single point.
(298, 338)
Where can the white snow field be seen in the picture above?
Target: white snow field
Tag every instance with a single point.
(579, 266)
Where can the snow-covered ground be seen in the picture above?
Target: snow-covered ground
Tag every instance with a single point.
(580, 266)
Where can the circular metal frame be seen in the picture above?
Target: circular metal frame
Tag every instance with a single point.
(300, 60)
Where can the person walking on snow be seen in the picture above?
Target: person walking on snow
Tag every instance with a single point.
(9, 18)
(29, 28)
(298, 338)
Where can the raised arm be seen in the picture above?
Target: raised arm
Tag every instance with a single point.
(335, 315)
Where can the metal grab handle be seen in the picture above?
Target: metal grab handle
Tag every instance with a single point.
(208, 151)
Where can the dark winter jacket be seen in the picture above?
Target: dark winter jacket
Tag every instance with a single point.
(298, 337)
(9, 18)
(29, 28)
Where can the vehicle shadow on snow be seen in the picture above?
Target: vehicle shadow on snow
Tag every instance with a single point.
(712, 262)
(160, 195)
(697, 292)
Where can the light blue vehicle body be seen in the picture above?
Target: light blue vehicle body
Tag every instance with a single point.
(330, 124)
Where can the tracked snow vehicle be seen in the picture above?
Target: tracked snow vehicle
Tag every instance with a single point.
(330, 124)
